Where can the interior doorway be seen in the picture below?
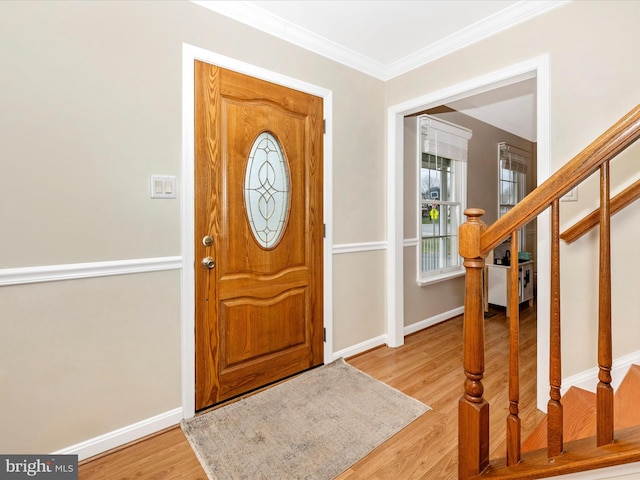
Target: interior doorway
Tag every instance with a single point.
(537, 69)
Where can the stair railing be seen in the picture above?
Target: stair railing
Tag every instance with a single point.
(619, 202)
(476, 240)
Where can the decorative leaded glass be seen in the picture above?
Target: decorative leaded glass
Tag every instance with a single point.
(266, 190)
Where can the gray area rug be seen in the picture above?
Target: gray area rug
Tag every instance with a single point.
(314, 426)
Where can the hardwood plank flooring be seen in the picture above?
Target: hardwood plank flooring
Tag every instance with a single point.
(428, 367)
(167, 455)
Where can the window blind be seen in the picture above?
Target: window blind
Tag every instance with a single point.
(445, 140)
(513, 158)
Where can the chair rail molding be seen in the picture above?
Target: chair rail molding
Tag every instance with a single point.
(358, 247)
(75, 271)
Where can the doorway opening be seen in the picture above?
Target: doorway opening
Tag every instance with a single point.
(535, 70)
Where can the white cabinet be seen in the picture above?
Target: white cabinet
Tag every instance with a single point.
(497, 283)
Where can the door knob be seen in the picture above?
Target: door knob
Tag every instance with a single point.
(208, 262)
(207, 240)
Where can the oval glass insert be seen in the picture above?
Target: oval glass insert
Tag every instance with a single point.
(266, 190)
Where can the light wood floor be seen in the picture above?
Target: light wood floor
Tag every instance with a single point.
(428, 367)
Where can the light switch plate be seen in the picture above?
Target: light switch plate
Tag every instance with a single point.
(570, 196)
(162, 186)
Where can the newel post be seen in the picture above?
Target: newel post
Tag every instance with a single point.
(473, 409)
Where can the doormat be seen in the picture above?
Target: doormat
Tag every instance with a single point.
(314, 426)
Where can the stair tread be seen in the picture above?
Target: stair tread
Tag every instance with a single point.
(579, 412)
(579, 419)
(579, 455)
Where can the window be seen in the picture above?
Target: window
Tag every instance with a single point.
(442, 196)
(513, 176)
(513, 180)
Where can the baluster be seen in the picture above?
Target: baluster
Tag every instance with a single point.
(473, 409)
(513, 420)
(554, 406)
(605, 355)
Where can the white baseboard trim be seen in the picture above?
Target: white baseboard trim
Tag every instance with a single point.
(72, 271)
(359, 348)
(382, 339)
(588, 380)
(421, 325)
(122, 436)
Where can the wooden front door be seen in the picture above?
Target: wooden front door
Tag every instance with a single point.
(258, 233)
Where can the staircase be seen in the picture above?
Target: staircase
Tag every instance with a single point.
(581, 431)
(580, 408)
(579, 422)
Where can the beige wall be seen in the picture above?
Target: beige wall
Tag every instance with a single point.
(593, 82)
(91, 99)
(84, 357)
(358, 294)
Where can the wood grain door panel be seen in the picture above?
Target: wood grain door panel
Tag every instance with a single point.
(259, 312)
(254, 328)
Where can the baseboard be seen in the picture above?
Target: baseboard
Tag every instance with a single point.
(382, 339)
(588, 380)
(122, 436)
(422, 324)
(359, 348)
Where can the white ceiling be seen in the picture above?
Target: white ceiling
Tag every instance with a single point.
(511, 108)
(385, 39)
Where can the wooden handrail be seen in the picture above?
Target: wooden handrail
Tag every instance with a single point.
(622, 134)
(619, 202)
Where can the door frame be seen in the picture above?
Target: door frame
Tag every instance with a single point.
(190, 53)
(537, 67)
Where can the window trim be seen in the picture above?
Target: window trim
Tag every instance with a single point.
(459, 174)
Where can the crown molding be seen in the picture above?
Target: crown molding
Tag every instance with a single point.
(489, 26)
(261, 19)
